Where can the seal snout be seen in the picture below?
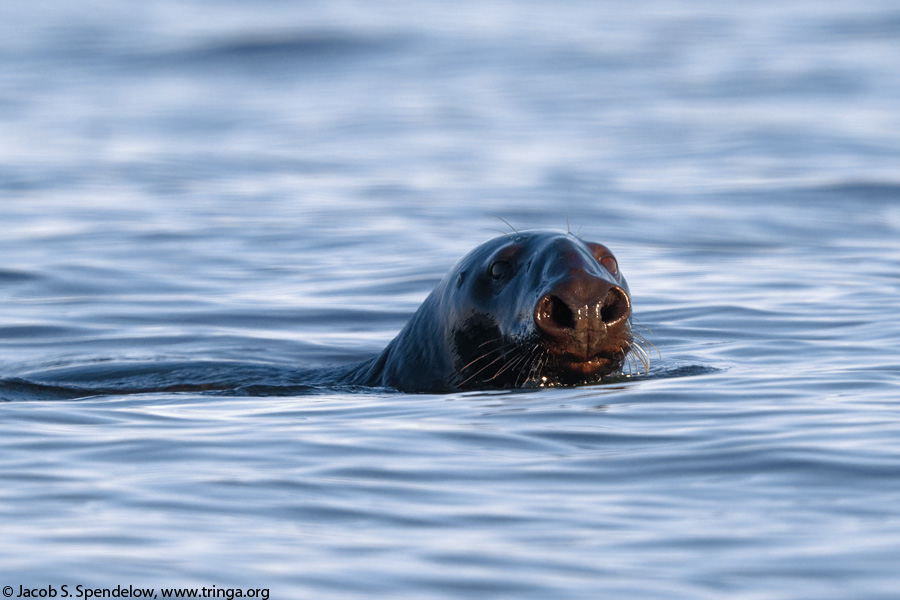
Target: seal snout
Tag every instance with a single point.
(581, 316)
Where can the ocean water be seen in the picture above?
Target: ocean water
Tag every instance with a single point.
(201, 192)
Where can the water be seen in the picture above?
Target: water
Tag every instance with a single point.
(195, 192)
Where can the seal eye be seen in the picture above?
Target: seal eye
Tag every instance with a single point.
(604, 257)
(609, 263)
(500, 269)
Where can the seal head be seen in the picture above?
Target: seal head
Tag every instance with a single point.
(531, 309)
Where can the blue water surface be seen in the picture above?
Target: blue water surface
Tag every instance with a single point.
(198, 193)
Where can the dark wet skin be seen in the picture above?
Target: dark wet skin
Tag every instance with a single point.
(529, 309)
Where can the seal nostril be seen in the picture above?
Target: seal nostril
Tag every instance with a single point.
(561, 314)
(615, 306)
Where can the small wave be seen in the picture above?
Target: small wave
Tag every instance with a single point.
(683, 371)
(214, 378)
(22, 389)
(813, 191)
(862, 190)
(11, 276)
(865, 26)
(284, 48)
(121, 378)
(17, 390)
(664, 372)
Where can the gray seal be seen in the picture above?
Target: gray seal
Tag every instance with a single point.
(529, 309)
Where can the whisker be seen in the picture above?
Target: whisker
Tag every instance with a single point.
(519, 359)
(634, 363)
(537, 367)
(524, 365)
(509, 225)
(501, 357)
(644, 340)
(627, 363)
(483, 356)
(645, 359)
(638, 352)
(527, 366)
(503, 233)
